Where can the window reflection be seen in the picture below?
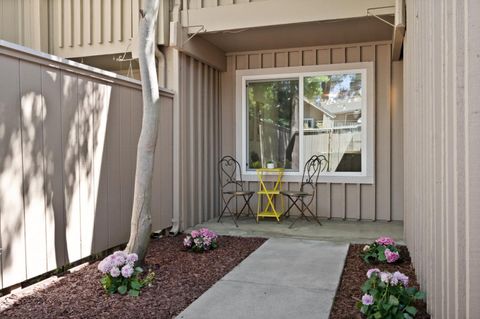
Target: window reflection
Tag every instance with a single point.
(333, 120)
(273, 123)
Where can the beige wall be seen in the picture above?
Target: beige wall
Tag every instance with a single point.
(442, 151)
(378, 201)
(199, 141)
(67, 157)
(25, 22)
(95, 27)
(76, 28)
(223, 15)
(198, 4)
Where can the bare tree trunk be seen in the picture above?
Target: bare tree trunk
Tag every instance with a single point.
(141, 225)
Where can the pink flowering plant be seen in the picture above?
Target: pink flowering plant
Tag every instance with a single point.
(387, 295)
(121, 275)
(201, 240)
(381, 250)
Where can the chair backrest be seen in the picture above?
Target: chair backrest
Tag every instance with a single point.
(311, 172)
(228, 169)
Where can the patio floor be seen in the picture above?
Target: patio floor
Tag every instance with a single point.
(284, 278)
(331, 230)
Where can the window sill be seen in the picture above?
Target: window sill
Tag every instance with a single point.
(297, 178)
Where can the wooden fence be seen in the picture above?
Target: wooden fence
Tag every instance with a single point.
(68, 136)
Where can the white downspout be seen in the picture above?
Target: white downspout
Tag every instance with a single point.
(161, 67)
(173, 83)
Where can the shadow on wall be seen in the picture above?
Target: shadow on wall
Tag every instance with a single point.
(60, 167)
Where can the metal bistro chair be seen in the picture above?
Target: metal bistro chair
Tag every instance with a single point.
(232, 188)
(306, 194)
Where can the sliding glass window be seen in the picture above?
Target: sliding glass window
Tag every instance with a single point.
(289, 117)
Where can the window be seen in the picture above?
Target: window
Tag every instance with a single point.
(273, 127)
(289, 114)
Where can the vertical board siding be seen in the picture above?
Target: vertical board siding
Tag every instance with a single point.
(25, 22)
(441, 124)
(67, 162)
(342, 201)
(12, 216)
(32, 113)
(383, 132)
(92, 27)
(199, 128)
(199, 4)
(53, 158)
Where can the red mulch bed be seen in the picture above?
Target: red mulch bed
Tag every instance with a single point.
(354, 275)
(181, 277)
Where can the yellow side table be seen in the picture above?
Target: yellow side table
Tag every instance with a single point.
(269, 210)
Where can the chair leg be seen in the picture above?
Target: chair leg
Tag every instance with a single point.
(224, 209)
(241, 210)
(287, 212)
(246, 205)
(250, 210)
(259, 199)
(302, 213)
(314, 216)
(227, 208)
(294, 203)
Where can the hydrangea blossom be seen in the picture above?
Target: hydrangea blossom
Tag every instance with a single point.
(367, 300)
(187, 242)
(127, 271)
(197, 241)
(105, 265)
(391, 256)
(399, 277)
(385, 241)
(132, 258)
(372, 271)
(200, 240)
(390, 279)
(113, 263)
(195, 233)
(119, 271)
(115, 272)
(385, 277)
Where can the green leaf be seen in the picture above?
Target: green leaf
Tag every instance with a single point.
(377, 315)
(387, 306)
(112, 289)
(106, 282)
(134, 293)
(407, 316)
(411, 310)
(420, 295)
(135, 285)
(366, 286)
(393, 300)
(138, 269)
(359, 305)
(122, 289)
(364, 309)
(411, 290)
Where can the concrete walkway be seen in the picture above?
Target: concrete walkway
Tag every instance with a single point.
(284, 278)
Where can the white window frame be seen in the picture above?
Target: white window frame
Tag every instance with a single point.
(367, 176)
